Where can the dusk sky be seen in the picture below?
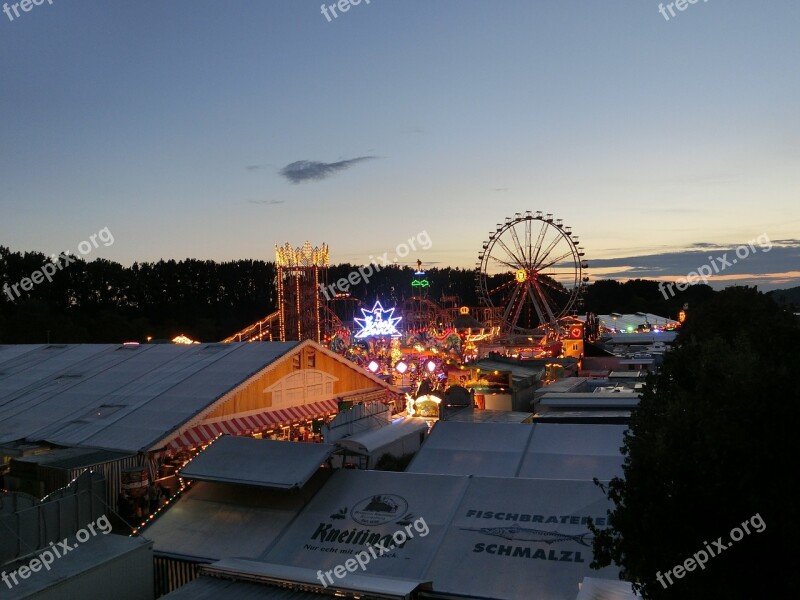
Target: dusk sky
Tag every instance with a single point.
(184, 126)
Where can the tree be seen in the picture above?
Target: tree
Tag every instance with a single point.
(712, 444)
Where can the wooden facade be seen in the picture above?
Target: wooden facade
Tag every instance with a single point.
(308, 373)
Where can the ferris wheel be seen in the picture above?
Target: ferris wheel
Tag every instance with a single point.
(531, 269)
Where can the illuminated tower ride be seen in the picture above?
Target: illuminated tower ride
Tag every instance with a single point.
(300, 273)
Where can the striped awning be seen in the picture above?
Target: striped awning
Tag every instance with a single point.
(252, 423)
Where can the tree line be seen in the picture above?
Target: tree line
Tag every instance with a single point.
(105, 302)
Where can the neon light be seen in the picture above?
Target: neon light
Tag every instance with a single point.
(420, 283)
(378, 321)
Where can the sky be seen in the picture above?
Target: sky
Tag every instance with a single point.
(211, 130)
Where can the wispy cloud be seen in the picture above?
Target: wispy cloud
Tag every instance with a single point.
(256, 167)
(309, 170)
(778, 265)
(265, 201)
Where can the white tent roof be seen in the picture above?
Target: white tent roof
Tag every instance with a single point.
(574, 451)
(118, 397)
(211, 521)
(367, 442)
(605, 589)
(546, 450)
(486, 537)
(458, 448)
(262, 463)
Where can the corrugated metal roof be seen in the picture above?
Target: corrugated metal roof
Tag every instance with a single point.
(262, 463)
(118, 397)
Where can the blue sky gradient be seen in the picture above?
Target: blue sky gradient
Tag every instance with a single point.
(170, 123)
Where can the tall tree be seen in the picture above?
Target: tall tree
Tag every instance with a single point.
(713, 443)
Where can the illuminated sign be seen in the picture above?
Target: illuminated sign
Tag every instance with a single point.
(420, 283)
(378, 321)
(521, 275)
(464, 310)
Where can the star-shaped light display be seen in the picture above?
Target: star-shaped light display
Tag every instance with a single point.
(377, 321)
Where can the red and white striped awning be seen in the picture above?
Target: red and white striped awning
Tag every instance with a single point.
(206, 432)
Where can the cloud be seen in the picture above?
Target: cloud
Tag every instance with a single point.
(776, 265)
(307, 170)
(265, 201)
(255, 167)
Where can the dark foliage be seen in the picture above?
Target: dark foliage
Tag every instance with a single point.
(712, 444)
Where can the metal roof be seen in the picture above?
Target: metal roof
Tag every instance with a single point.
(118, 397)
(262, 463)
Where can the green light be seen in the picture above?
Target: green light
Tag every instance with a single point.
(420, 283)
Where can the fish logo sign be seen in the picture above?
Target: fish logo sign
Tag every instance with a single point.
(528, 534)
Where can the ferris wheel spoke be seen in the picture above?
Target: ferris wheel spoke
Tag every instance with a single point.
(512, 306)
(543, 256)
(519, 247)
(503, 286)
(544, 298)
(536, 305)
(511, 254)
(553, 285)
(554, 261)
(508, 264)
(528, 240)
(539, 241)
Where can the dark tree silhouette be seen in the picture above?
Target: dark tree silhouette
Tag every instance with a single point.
(713, 443)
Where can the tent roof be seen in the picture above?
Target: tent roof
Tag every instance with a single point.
(261, 463)
(463, 448)
(542, 450)
(213, 588)
(605, 589)
(119, 397)
(374, 439)
(129, 398)
(484, 537)
(213, 521)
